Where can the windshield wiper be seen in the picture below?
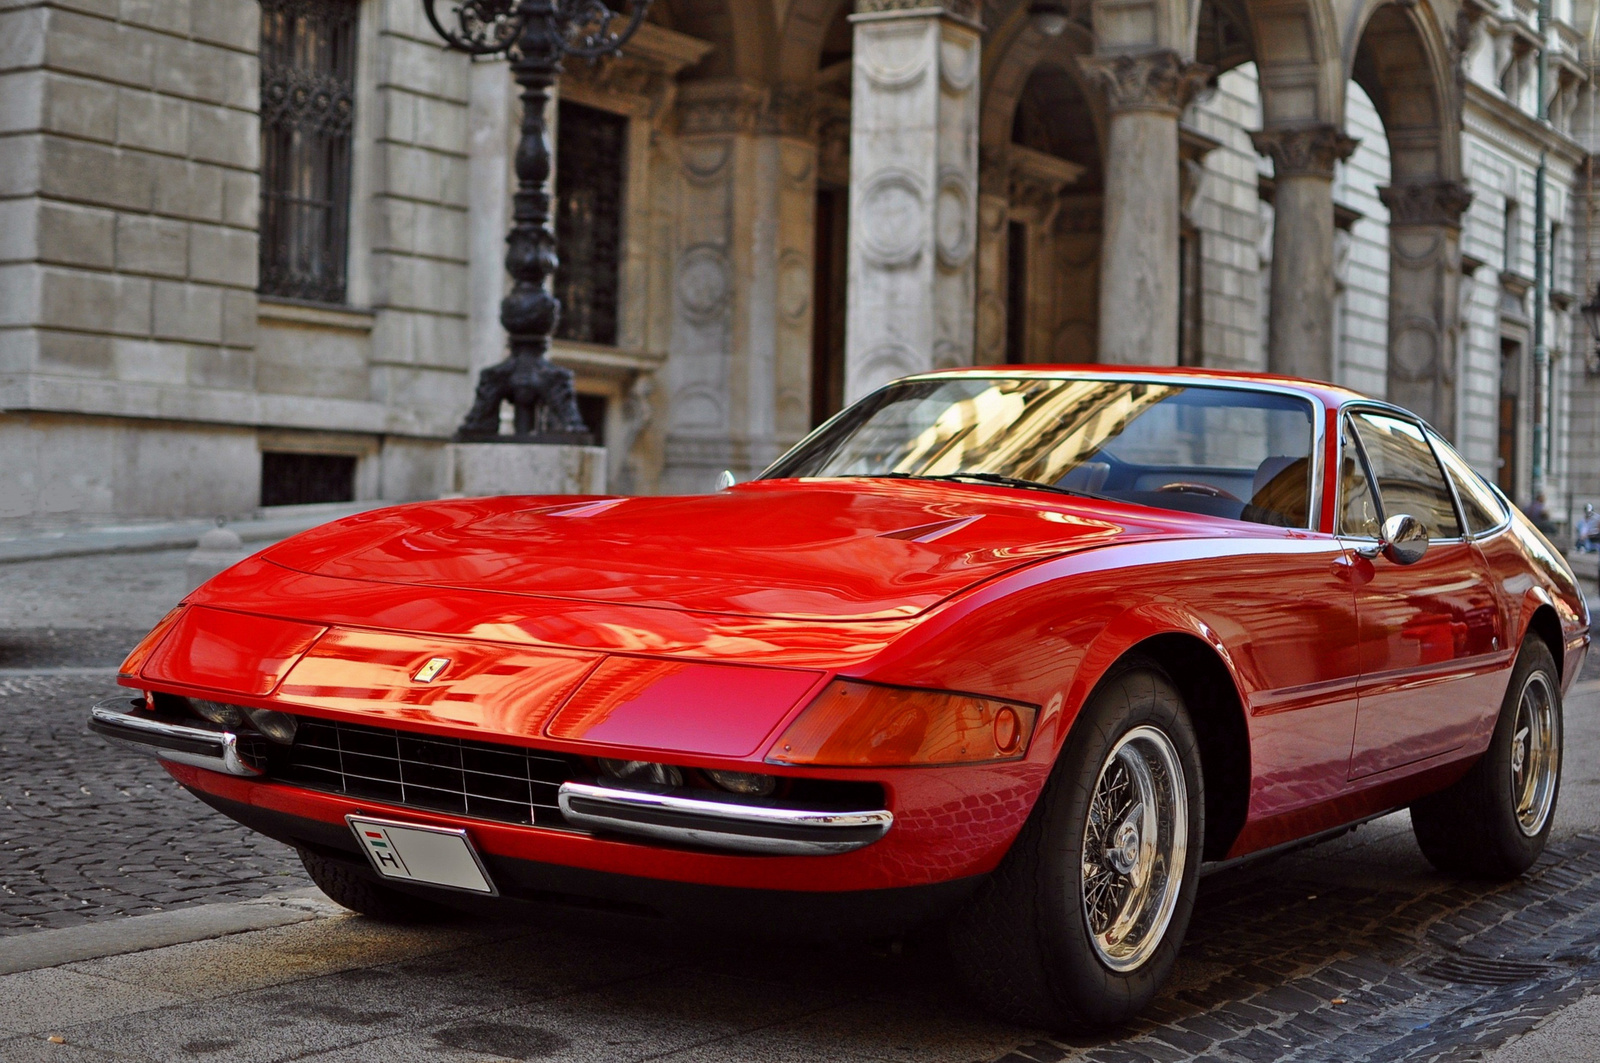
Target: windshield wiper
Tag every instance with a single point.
(983, 478)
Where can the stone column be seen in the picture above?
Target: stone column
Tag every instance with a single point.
(1424, 305)
(1300, 315)
(1145, 93)
(738, 375)
(914, 185)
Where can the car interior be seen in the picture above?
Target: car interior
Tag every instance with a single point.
(1276, 492)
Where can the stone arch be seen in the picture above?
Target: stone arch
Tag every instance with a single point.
(1299, 61)
(1041, 133)
(743, 32)
(1399, 55)
(801, 38)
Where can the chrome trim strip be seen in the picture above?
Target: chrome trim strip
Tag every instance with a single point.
(715, 824)
(197, 747)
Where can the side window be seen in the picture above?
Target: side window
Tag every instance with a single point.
(1408, 475)
(1479, 506)
(1358, 507)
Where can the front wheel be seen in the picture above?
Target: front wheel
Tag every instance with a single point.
(1081, 923)
(361, 893)
(1494, 823)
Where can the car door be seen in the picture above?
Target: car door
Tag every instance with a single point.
(1429, 630)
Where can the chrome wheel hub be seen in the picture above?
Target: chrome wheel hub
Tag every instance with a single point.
(1535, 754)
(1135, 848)
(1123, 852)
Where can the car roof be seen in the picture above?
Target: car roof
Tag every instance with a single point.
(1330, 395)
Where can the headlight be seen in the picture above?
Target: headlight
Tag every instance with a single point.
(278, 726)
(744, 782)
(642, 771)
(217, 712)
(853, 724)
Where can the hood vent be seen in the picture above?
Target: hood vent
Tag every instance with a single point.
(927, 533)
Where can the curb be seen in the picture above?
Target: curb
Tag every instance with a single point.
(137, 933)
(175, 535)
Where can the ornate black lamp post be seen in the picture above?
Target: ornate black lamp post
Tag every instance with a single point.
(536, 35)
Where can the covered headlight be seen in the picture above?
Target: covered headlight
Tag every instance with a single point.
(220, 713)
(743, 782)
(278, 726)
(641, 771)
(853, 724)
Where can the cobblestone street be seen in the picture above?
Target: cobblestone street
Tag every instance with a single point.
(1352, 950)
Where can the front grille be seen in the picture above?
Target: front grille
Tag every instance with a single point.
(483, 780)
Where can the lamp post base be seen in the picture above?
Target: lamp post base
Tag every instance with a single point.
(495, 467)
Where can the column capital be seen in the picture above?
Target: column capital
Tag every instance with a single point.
(1426, 202)
(721, 107)
(1307, 151)
(1146, 81)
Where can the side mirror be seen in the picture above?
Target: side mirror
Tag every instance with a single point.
(1405, 539)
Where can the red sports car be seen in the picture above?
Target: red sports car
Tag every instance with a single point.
(1019, 647)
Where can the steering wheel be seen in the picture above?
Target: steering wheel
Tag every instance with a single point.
(1189, 487)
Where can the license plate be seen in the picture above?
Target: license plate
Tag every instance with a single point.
(434, 856)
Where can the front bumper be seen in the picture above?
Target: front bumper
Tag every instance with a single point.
(720, 824)
(776, 906)
(682, 818)
(121, 720)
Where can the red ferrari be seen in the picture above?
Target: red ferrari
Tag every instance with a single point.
(1019, 648)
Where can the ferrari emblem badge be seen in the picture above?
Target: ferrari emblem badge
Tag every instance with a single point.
(430, 671)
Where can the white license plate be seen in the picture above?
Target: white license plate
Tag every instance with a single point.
(435, 856)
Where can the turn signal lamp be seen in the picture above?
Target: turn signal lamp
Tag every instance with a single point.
(135, 661)
(853, 724)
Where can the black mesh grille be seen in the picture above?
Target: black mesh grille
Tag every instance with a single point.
(483, 780)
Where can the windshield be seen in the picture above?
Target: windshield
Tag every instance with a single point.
(1227, 452)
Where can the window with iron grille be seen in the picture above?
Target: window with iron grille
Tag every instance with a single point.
(590, 147)
(308, 64)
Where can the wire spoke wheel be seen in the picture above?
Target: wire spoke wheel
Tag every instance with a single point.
(1535, 754)
(1135, 848)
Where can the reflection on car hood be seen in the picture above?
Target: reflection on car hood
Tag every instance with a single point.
(833, 549)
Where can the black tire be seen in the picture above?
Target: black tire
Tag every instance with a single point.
(1023, 944)
(358, 890)
(1472, 827)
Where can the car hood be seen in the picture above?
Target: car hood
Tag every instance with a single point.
(837, 549)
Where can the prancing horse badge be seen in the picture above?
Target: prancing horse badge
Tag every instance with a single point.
(430, 671)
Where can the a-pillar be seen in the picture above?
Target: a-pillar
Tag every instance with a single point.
(1424, 304)
(738, 375)
(1300, 313)
(1139, 278)
(913, 185)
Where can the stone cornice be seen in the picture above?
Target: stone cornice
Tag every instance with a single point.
(1426, 203)
(1147, 81)
(1307, 151)
(968, 11)
(1517, 124)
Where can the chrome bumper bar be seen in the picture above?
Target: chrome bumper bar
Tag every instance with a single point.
(708, 822)
(118, 719)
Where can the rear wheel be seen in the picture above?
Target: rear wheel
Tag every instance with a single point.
(1081, 923)
(1494, 823)
(359, 892)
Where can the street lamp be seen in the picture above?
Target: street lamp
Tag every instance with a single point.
(1591, 314)
(535, 35)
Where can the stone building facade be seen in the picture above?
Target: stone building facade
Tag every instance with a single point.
(250, 250)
